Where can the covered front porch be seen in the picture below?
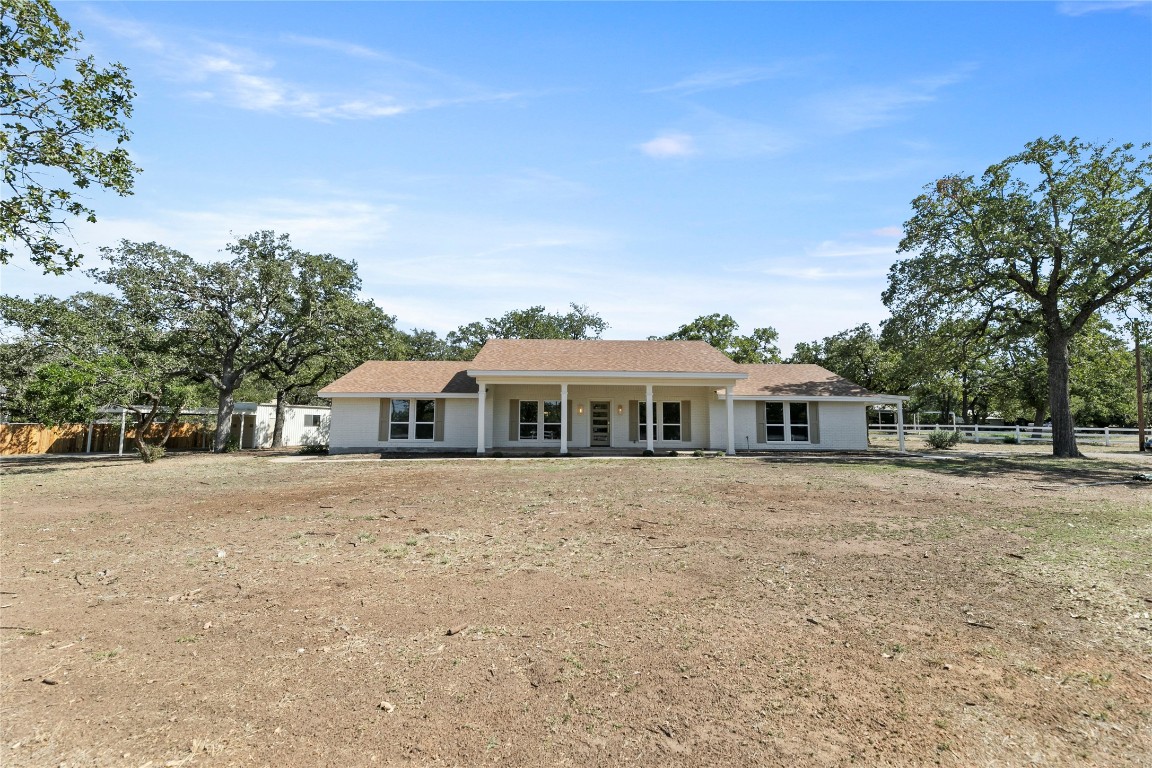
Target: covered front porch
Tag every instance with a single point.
(609, 416)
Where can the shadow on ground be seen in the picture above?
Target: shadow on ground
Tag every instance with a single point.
(1037, 468)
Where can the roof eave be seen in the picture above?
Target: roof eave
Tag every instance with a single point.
(377, 393)
(869, 398)
(551, 374)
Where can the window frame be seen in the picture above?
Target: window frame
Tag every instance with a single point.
(660, 424)
(412, 426)
(787, 429)
(312, 420)
(541, 427)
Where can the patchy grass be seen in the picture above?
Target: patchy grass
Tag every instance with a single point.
(823, 610)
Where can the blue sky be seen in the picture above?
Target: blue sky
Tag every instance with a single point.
(653, 161)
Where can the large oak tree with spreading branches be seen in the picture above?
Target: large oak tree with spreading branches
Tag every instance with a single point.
(1042, 242)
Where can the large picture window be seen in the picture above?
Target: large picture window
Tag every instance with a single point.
(539, 419)
(668, 424)
(412, 420)
(786, 422)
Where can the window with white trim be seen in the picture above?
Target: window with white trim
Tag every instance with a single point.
(786, 422)
(668, 424)
(539, 419)
(412, 420)
(311, 419)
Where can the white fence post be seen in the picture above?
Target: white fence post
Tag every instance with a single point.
(1017, 434)
(1107, 438)
(975, 433)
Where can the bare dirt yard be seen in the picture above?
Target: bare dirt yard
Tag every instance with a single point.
(793, 611)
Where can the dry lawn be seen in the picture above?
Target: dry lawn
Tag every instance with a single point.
(815, 611)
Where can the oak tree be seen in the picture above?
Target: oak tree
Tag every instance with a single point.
(64, 129)
(1042, 242)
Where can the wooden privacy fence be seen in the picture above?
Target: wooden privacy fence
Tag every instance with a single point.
(18, 439)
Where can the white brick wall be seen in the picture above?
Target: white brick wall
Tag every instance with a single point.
(841, 426)
(354, 421)
(355, 426)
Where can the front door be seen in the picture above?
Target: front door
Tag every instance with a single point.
(601, 413)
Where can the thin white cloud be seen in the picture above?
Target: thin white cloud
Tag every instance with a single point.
(711, 134)
(245, 79)
(833, 249)
(443, 270)
(1085, 7)
(821, 273)
(669, 145)
(730, 138)
(344, 227)
(717, 79)
(351, 50)
(869, 106)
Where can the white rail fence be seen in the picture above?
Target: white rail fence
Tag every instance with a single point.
(976, 433)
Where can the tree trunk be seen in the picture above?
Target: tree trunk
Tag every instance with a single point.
(1139, 387)
(1059, 403)
(143, 424)
(278, 428)
(965, 404)
(169, 426)
(223, 421)
(1038, 422)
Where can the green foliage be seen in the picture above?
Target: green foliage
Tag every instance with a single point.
(271, 310)
(1103, 377)
(64, 124)
(150, 453)
(68, 392)
(423, 344)
(91, 350)
(533, 323)
(648, 452)
(313, 449)
(1037, 246)
(720, 332)
(943, 439)
(856, 354)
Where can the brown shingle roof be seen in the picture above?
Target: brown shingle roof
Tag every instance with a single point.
(795, 379)
(601, 355)
(412, 376)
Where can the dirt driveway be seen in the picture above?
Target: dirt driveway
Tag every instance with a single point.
(229, 610)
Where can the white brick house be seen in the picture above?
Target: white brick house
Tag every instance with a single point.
(550, 395)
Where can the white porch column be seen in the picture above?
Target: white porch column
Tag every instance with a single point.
(900, 423)
(123, 424)
(563, 419)
(91, 424)
(650, 414)
(240, 444)
(481, 405)
(730, 410)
